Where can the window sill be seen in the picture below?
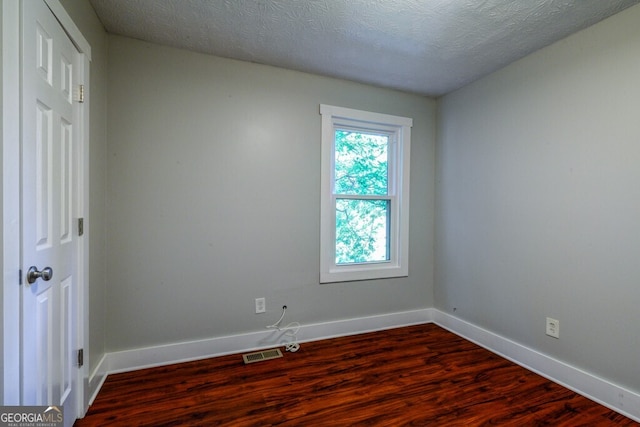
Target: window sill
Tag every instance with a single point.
(356, 273)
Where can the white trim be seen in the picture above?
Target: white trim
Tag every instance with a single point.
(97, 379)
(399, 130)
(70, 27)
(130, 360)
(364, 116)
(82, 190)
(591, 386)
(10, 146)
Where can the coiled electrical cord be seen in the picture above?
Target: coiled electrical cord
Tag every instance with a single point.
(289, 330)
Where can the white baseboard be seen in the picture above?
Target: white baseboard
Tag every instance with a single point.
(597, 389)
(129, 360)
(592, 387)
(96, 379)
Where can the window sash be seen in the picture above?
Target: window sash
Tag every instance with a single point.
(391, 243)
(390, 156)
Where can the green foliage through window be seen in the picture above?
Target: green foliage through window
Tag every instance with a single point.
(362, 227)
(361, 163)
(362, 223)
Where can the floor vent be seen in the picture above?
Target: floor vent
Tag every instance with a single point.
(259, 356)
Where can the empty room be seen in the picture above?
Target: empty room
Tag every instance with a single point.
(430, 209)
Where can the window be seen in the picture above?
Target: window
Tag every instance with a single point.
(364, 196)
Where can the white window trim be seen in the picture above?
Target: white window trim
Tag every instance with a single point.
(398, 266)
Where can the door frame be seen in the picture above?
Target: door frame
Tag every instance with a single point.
(10, 258)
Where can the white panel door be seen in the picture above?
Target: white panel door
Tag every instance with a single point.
(49, 138)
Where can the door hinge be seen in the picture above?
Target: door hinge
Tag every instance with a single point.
(81, 93)
(80, 226)
(80, 357)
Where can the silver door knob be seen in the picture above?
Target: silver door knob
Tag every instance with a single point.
(33, 274)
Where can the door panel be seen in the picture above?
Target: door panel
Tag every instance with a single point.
(66, 329)
(44, 322)
(43, 154)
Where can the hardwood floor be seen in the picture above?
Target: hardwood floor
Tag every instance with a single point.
(418, 375)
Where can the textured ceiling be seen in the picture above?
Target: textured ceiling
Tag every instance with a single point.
(430, 47)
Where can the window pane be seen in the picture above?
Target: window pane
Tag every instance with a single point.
(362, 231)
(360, 163)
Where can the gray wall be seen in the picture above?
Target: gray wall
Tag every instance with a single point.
(85, 18)
(539, 200)
(213, 197)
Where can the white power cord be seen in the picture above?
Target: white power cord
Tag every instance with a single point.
(289, 330)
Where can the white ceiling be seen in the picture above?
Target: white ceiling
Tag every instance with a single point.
(429, 47)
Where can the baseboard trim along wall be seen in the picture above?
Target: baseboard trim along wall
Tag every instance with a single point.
(588, 385)
(129, 360)
(97, 378)
(597, 389)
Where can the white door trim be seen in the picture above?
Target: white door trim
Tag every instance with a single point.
(70, 27)
(11, 199)
(10, 143)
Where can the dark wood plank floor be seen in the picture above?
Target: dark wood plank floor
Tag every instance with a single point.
(418, 375)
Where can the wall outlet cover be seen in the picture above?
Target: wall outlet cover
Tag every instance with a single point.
(553, 328)
(260, 305)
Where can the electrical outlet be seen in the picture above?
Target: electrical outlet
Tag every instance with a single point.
(553, 327)
(260, 305)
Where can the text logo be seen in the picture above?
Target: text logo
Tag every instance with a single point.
(31, 416)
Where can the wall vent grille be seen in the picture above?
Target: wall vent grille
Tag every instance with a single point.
(260, 356)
